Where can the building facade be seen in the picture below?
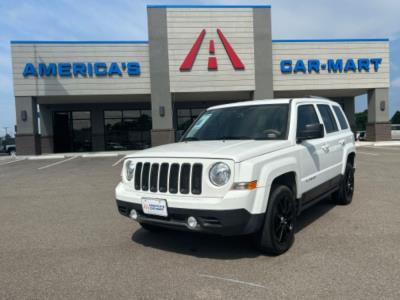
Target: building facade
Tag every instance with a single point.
(101, 95)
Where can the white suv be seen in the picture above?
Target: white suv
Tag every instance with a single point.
(244, 168)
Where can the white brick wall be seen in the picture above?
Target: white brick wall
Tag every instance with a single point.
(185, 24)
(59, 53)
(330, 50)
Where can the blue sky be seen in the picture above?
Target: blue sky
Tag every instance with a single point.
(126, 20)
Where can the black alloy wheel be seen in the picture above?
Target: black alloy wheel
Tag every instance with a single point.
(277, 233)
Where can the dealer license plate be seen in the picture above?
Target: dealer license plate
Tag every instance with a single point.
(156, 207)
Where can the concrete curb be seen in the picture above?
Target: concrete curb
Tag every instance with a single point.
(379, 144)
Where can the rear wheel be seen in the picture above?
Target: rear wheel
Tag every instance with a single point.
(344, 195)
(277, 234)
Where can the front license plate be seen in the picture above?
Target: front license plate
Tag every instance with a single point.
(156, 207)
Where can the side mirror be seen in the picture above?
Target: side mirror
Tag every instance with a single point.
(310, 131)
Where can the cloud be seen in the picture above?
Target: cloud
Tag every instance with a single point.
(127, 20)
(396, 82)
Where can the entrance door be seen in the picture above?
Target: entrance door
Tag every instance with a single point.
(72, 131)
(62, 132)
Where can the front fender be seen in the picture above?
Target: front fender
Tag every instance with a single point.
(265, 175)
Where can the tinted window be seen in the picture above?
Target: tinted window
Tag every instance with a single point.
(306, 115)
(267, 122)
(328, 118)
(341, 117)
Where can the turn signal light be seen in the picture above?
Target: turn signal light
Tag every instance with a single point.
(245, 185)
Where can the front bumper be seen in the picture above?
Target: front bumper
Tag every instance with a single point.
(222, 222)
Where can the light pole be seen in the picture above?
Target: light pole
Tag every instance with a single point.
(5, 129)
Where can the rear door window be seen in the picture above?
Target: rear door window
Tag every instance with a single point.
(327, 118)
(340, 116)
(306, 115)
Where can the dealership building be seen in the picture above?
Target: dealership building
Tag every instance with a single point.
(73, 96)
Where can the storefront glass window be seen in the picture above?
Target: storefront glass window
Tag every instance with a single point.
(127, 129)
(185, 118)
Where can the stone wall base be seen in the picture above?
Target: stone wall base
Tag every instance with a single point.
(379, 131)
(27, 144)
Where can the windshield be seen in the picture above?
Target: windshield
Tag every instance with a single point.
(253, 122)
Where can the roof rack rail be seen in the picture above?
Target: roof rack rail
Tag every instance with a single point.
(316, 97)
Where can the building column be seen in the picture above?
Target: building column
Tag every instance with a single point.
(262, 54)
(27, 137)
(46, 129)
(378, 126)
(161, 101)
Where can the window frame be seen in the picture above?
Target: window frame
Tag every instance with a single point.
(122, 120)
(297, 112)
(333, 118)
(343, 115)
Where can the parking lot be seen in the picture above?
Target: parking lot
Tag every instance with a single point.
(62, 237)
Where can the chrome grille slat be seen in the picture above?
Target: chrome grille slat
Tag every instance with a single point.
(173, 178)
(154, 177)
(164, 177)
(184, 180)
(197, 173)
(145, 176)
(138, 175)
(163, 183)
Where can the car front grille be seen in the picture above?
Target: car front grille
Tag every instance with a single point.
(169, 178)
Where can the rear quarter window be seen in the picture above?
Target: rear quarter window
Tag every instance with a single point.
(327, 118)
(341, 117)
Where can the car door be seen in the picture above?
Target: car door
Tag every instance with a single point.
(312, 157)
(333, 146)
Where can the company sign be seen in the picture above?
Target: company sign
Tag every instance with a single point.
(75, 69)
(188, 62)
(340, 65)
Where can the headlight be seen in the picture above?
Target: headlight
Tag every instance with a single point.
(220, 174)
(129, 170)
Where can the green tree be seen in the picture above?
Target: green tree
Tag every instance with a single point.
(396, 118)
(361, 120)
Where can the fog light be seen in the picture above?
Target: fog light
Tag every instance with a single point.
(192, 222)
(133, 214)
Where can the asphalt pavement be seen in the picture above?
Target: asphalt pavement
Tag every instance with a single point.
(62, 237)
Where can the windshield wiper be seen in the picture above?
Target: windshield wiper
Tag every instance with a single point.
(235, 138)
(190, 139)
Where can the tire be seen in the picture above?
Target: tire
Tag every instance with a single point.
(277, 234)
(344, 195)
(150, 227)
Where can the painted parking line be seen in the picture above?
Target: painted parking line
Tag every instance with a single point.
(11, 162)
(368, 153)
(233, 280)
(118, 161)
(57, 163)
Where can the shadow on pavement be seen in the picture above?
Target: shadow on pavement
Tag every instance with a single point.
(218, 247)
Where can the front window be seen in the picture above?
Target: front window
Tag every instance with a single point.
(252, 122)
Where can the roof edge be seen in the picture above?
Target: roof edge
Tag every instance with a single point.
(332, 40)
(79, 42)
(206, 6)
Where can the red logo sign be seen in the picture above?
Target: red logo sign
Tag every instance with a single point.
(188, 62)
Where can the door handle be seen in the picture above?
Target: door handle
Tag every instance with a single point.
(325, 148)
(342, 142)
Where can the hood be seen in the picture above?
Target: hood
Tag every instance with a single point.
(229, 149)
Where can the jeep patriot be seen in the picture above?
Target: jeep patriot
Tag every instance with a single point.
(244, 168)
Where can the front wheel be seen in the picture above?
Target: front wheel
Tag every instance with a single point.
(277, 234)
